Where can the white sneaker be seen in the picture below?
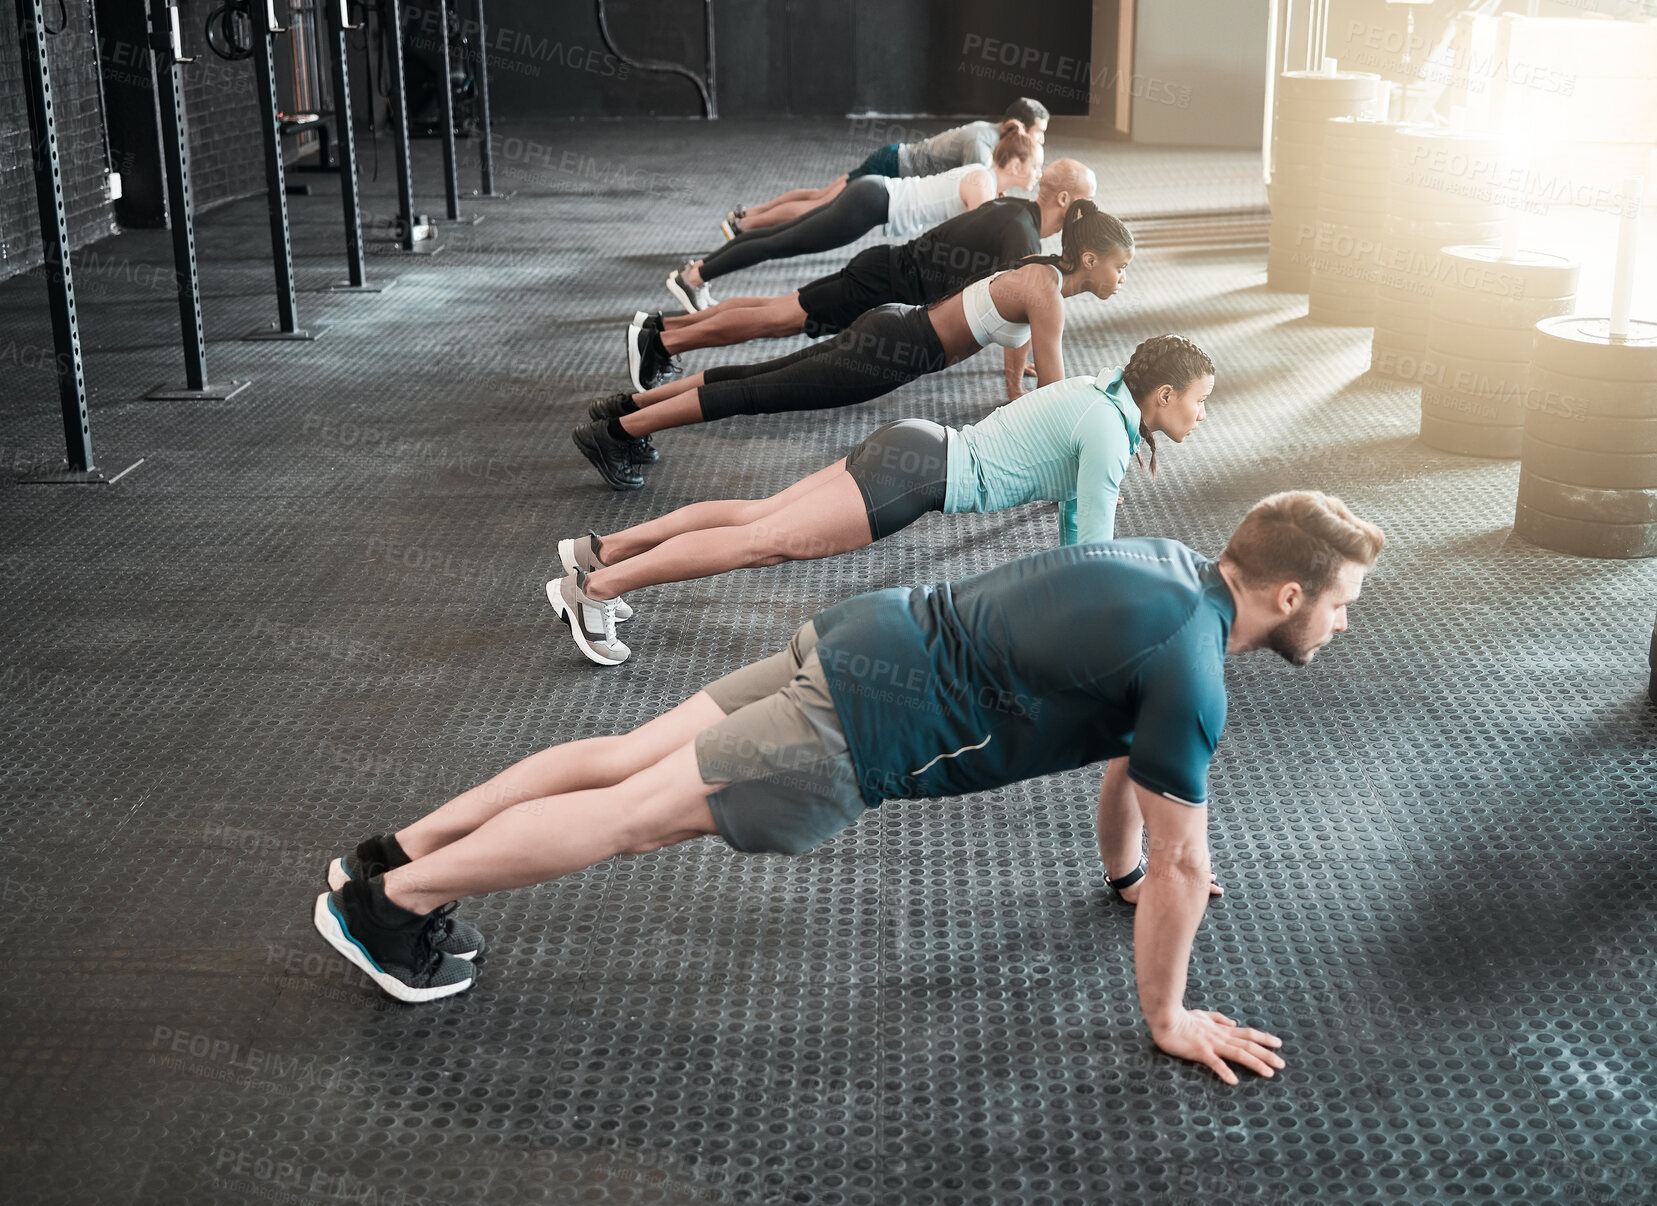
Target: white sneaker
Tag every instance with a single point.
(691, 297)
(579, 554)
(592, 621)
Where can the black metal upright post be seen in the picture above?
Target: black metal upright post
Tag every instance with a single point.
(287, 325)
(339, 25)
(412, 235)
(446, 109)
(54, 237)
(168, 50)
(486, 149)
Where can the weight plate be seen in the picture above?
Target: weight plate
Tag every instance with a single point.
(1336, 313)
(1389, 357)
(1582, 502)
(1601, 470)
(1483, 310)
(1504, 383)
(1472, 410)
(1470, 439)
(1483, 270)
(1584, 538)
(1562, 393)
(1479, 343)
(1593, 434)
(1582, 346)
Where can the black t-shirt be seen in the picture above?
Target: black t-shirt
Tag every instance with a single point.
(995, 235)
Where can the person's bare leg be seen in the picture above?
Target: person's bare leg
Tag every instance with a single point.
(679, 410)
(677, 322)
(553, 836)
(672, 389)
(825, 521)
(779, 316)
(815, 195)
(724, 513)
(572, 766)
(785, 212)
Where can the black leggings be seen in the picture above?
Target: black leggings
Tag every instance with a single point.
(902, 470)
(855, 211)
(884, 348)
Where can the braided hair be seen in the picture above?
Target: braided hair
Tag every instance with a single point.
(1086, 228)
(1171, 360)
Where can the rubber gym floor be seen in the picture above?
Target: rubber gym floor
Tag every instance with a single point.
(315, 611)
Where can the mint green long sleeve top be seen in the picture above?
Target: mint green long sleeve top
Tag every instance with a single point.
(1069, 443)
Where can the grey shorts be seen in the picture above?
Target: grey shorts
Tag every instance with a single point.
(790, 783)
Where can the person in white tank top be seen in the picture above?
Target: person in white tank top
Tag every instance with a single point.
(904, 208)
(918, 203)
(885, 348)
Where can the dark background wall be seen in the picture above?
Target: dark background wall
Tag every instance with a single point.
(80, 138)
(779, 58)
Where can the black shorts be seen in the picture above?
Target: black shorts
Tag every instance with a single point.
(902, 470)
(875, 276)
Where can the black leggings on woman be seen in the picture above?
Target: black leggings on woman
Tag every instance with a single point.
(884, 348)
(855, 211)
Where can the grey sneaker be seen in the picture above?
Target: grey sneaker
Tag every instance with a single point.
(392, 945)
(379, 854)
(691, 297)
(582, 554)
(592, 621)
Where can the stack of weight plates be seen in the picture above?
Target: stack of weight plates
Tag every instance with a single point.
(1352, 210)
(1588, 472)
(1306, 100)
(1444, 188)
(1479, 334)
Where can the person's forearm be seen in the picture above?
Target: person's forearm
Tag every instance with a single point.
(1171, 906)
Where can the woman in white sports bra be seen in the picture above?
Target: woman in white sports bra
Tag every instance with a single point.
(906, 207)
(1020, 309)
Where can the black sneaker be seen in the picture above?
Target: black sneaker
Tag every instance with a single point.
(612, 458)
(649, 361)
(381, 853)
(392, 945)
(610, 406)
(642, 318)
(644, 452)
(373, 856)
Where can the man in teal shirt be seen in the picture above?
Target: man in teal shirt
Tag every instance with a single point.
(1112, 651)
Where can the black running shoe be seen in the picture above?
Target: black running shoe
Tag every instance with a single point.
(644, 452)
(642, 318)
(610, 406)
(395, 947)
(656, 366)
(381, 853)
(612, 458)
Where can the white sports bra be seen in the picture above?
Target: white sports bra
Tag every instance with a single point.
(985, 321)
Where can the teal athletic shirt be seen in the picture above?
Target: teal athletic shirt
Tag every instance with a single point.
(1069, 443)
(1045, 664)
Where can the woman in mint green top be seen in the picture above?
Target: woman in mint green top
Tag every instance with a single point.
(1069, 442)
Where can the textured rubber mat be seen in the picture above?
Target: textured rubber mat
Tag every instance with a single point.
(316, 610)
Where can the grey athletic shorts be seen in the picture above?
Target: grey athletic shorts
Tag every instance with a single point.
(780, 751)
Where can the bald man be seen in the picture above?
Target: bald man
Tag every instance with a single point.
(940, 262)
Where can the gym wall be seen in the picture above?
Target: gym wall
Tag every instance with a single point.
(1199, 75)
(780, 58)
(80, 138)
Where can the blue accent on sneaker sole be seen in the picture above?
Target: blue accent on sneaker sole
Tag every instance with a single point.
(332, 928)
